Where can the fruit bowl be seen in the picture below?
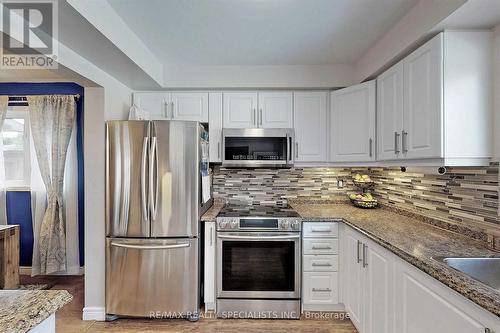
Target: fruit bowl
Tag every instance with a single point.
(363, 184)
(364, 204)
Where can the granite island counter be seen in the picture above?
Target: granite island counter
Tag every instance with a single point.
(30, 310)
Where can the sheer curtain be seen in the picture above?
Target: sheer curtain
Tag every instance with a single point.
(4, 102)
(54, 184)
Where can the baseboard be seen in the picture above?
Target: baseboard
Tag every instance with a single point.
(94, 313)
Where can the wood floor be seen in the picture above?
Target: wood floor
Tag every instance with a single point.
(68, 319)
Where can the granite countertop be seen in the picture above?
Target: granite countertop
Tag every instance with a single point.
(22, 310)
(211, 214)
(413, 240)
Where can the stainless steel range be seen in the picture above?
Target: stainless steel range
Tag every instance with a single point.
(258, 262)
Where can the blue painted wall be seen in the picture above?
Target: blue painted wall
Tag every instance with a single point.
(19, 203)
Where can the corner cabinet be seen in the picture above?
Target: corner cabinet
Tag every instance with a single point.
(174, 105)
(258, 109)
(352, 123)
(428, 111)
(385, 294)
(310, 119)
(209, 264)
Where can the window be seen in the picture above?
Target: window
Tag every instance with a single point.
(16, 148)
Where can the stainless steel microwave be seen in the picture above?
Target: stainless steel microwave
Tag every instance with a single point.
(258, 147)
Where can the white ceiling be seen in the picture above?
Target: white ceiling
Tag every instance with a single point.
(260, 32)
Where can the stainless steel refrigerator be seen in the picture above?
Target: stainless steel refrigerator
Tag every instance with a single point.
(153, 204)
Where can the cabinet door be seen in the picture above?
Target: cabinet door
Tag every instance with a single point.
(240, 109)
(190, 106)
(215, 126)
(353, 282)
(420, 307)
(423, 85)
(320, 288)
(275, 110)
(390, 113)
(157, 104)
(209, 274)
(310, 126)
(353, 123)
(378, 314)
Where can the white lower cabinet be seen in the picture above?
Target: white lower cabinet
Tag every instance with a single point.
(368, 283)
(209, 263)
(320, 265)
(383, 293)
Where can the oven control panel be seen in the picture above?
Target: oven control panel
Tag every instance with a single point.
(259, 224)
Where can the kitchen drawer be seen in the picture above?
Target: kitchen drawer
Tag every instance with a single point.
(321, 229)
(321, 246)
(320, 263)
(320, 288)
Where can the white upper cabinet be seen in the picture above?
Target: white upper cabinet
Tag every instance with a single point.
(174, 105)
(436, 104)
(215, 126)
(189, 106)
(352, 123)
(422, 135)
(310, 119)
(389, 113)
(156, 104)
(258, 110)
(240, 109)
(275, 110)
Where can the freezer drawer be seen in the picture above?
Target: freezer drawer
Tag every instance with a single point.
(152, 277)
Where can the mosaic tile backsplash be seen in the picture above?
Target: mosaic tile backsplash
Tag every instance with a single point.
(464, 200)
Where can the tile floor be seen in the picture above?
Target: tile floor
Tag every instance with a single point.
(68, 319)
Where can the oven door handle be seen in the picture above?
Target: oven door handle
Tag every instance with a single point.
(258, 237)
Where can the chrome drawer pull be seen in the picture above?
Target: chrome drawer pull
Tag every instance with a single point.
(321, 248)
(321, 289)
(321, 265)
(321, 230)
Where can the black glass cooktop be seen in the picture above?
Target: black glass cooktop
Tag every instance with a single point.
(257, 211)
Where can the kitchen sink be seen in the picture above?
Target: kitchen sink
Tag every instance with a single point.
(486, 270)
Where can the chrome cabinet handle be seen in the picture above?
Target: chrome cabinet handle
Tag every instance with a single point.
(321, 230)
(370, 146)
(296, 149)
(165, 109)
(321, 289)
(365, 254)
(211, 235)
(260, 117)
(321, 248)
(150, 247)
(172, 111)
(358, 259)
(218, 149)
(320, 265)
(143, 179)
(396, 139)
(403, 141)
(254, 120)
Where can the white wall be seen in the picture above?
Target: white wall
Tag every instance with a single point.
(496, 91)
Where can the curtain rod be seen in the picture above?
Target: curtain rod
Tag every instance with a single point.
(76, 96)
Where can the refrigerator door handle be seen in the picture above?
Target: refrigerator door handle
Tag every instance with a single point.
(144, 204)
(153, 184)
(150, 247)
